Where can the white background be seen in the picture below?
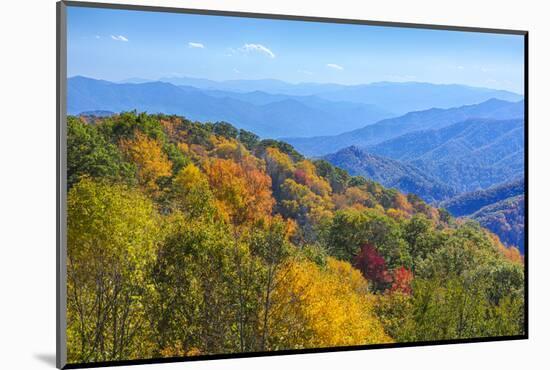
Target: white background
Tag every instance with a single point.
(27, 182)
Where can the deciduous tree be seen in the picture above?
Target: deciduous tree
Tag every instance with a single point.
(316, 308)
(111, 243)
(151, 162)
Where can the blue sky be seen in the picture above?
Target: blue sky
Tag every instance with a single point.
(120, 44)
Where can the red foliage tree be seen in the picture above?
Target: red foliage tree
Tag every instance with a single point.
(301, 177)
(402, 279)
(373, 266)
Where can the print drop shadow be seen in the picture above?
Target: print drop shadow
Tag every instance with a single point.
(47, 358)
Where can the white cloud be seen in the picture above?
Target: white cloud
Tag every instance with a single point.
(235, 70)
(196, 45)
(119, 38)
(335, 66)
(257, 48)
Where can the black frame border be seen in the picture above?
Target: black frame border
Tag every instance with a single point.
(61, 168)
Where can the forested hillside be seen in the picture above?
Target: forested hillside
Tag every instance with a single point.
(506, 218)
(188, 238)
(387, 129)
(468, 155)
(499, 208)
(391, 173)
(468, 203)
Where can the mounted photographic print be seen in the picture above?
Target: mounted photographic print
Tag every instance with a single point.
(236, 184)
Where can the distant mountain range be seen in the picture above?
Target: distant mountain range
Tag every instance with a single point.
(273, 108)
(413, 96)
(434, 118)
(397, 97)
(391, 173)
(268, 115)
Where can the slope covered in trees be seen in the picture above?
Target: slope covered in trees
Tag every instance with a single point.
(505, 218)
(189, 239)
(468, 155)
(469, 203)
(391, 173)
(499, 208)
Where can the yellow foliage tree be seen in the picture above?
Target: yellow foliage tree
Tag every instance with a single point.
(191, 193)
(111, 244)
(304, 205)
(306, 174)
(397, 214)
(279, 166)
(152, 163)
(315, 307)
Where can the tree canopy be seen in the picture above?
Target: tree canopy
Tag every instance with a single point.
(188, 238)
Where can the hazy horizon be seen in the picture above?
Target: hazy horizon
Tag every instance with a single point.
(161, 78)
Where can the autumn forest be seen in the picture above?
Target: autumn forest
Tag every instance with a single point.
(191, 238)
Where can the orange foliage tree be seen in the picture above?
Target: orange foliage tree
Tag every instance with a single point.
(243, 191)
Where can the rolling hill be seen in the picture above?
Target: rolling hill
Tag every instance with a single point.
(390, 173)
(469, 203)
(469, 155)
(506, 219)
(500, 208)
